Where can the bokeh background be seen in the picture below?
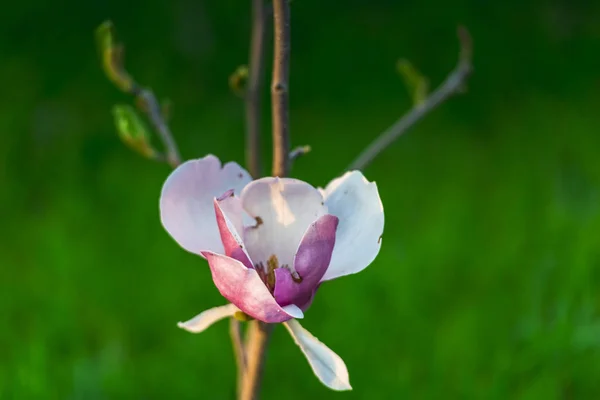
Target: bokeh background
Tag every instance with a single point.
(486, 286)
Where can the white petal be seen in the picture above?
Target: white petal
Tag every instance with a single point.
(355, 201)
(294, 311)
(286, 207)
(186, 201)
(206, 318)
(327, 366)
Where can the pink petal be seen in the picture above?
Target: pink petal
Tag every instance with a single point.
(310, 262)
(355, 201)
(186, 201)
(232, 243)
(284, 209)
(243, 287)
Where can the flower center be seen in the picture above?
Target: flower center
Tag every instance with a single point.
(267, 273)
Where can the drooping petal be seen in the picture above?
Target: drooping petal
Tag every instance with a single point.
(355, 201)
(186, 201)
(310, 263)
(232, 242)
(208, 317)
(327, 366)
(244, 288)
(283, 208)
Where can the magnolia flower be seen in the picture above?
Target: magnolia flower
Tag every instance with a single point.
(270, 243)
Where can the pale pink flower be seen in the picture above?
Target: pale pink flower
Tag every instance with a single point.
(270, 243)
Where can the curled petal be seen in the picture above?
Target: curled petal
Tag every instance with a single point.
(243, 287)
(186, 201)
(355, 201)
(327, 366)
(208, 317)
(310, 263)
(232, 242)
(283, 208)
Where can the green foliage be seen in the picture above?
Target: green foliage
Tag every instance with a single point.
(132, 130)
(487, 285)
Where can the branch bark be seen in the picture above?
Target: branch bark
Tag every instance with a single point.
(153, 111)
(254, 86)
(279, 88)
(453, 84)
(238, 350)
(259, 333)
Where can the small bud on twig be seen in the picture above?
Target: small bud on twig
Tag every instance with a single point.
(299, 152)
(238, 80)
(112, 54)
(113, 65)
(132, 130)
(416, 83)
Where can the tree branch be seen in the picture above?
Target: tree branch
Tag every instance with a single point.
(253, 88)
(259, 333)
(258, 337)
(279, 88)
(113, 63)
(153, 111)
(238, 351)
(453, 84)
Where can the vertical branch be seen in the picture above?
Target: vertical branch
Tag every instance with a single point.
(238, 350)
(279, 88)
(259, 334)
(253, 88)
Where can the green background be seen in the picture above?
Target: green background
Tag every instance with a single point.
(487, 283)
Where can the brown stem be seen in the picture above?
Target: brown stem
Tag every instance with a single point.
(453, 84)
(253, 88)
(238, 350)
(257, 340)
(279, 88)
(259, 333)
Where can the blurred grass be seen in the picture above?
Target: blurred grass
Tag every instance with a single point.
(487, 283)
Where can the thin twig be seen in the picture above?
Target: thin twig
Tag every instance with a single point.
(238, 349)
(254, 86)
(113, 63)
(153, 110)
(453, 84)
(279, 88)
(257, 341)
(260, 332)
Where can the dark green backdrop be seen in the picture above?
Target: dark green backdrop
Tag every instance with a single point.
(487, 283)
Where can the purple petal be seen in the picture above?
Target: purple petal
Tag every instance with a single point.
(186, 201)
(232, 242)
(243, 287)
(310, 262)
